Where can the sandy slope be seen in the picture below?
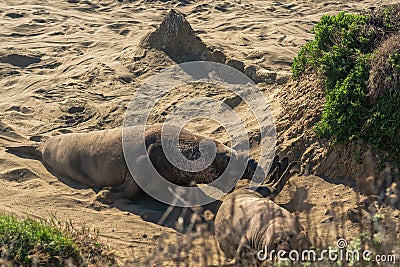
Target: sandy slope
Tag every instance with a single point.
(68, 67)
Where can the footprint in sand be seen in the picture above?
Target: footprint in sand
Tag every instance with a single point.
(8, 133)
(14, 15)
(76, 113)
(19, 60)
(21, 109)
(18, 174)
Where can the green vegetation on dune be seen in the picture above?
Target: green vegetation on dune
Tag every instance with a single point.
(358, 58)
(339, 40)
(29, 242)
(22, 241)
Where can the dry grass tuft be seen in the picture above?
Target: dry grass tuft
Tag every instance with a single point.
(385, 69)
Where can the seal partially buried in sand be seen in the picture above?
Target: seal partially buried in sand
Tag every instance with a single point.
(96, 159)
(248, 221)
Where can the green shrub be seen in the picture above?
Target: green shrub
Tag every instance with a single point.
(21, 241)
(341, 54)
(345, 108)
(30, 242)
(339, 41)
(382, 129)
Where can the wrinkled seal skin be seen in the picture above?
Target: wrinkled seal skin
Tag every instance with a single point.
(96, 159)
(249, 221)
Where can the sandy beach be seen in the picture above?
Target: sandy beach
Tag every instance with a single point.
(74, 66)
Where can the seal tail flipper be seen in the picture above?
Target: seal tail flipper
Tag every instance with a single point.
(25, 151)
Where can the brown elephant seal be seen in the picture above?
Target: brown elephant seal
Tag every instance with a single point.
(96, 159)
(249, 222)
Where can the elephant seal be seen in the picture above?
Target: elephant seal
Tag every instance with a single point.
(249, 222)
(96, 159)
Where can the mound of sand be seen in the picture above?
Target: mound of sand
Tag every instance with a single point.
(176, 38)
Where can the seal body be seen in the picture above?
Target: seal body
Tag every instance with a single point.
(247, 223)
(96, 159)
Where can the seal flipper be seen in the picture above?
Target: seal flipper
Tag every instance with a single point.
(277, 179)
(279, 184)
(264, 190)
(25, 151)
(283, 165)
(274, 164)
(273, 171)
